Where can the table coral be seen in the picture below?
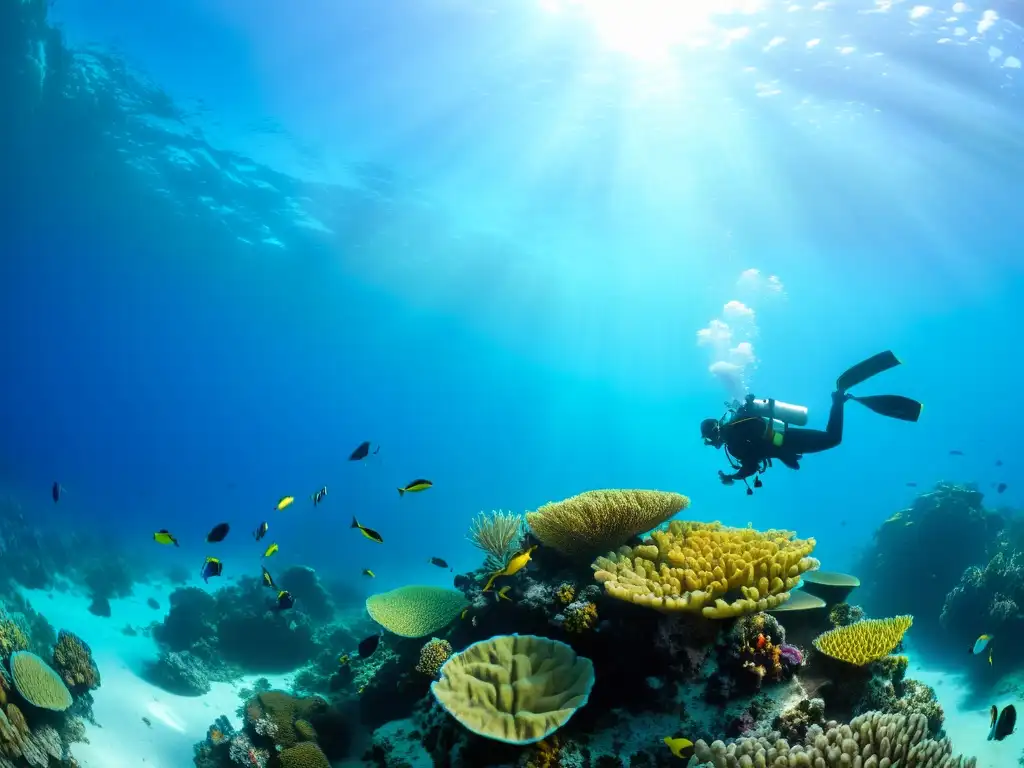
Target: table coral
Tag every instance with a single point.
(864, 641)
(718, 571)
(38, 683)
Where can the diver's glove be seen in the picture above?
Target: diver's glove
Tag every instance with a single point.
(726, 480)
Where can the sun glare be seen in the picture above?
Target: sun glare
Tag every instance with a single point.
(651, 28)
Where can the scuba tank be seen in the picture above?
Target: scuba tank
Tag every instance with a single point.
(777, 411)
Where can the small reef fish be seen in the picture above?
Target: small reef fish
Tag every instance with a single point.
(415, 487)
(1001, 487)
(319, 496)
(163, 536)
(464, 612)
(284, 502)
(368, 646)
(261, 531)
(284, 600)
(981, 644)
(502, 594)
(440, 563)
(761, 642)
(515, 565)
(268, 580)
(56, 491)
(361, 452)
(681, 748)
(212, 567)
(369, 533)
(218, 533)
(272, 549)
(343, 659)
(147, 722)
(368, 572)
(1003, 725)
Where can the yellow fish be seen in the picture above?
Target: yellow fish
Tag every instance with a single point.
(284, 502)
(164, 537)
(343, 659)
(368, 572)
(415, 486)
(271, 550)
(369, 533)
(464, 612)
(682, 748)
(515, 565)
(502, 594)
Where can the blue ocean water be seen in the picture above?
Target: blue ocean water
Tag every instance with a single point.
(240, 238)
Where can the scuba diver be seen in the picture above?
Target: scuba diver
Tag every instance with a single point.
(759, 430)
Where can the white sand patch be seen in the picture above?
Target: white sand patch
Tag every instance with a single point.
(176, 723)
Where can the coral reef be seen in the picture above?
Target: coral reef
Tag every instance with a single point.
(433, 655)
(499, 534)
(416, 611)
(864, 641)
(754, 652)
(695, 566)
(36, 681)
(597, 521)
(72, 658)
(179, 672)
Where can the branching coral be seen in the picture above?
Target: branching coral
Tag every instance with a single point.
(708, 568)
(72, 658)
(597, 521)
(499, 534)
(872, 739)
(433, 655)
(865, 641)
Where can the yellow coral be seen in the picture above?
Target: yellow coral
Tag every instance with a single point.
(545, 754)
(304, 755)
(305, 730)
(565, 593)
(416, 611)
(718, 571)
(518, 689)
(433, 655)
(580, 617)
(597, 521)
(12, 638)
(864, 642)
(38, 683)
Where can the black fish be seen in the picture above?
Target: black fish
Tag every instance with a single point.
(439, 563)
(260, 532)
(955, 452)
(284, 600)
(1004, 725)
(55, 492)
(218, 533)
(368, 646)
(361, 452)
(1001, 487)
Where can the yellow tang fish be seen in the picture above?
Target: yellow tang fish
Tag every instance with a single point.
(515, 565)
(415, 486)
(680, 747)
(163, 536)
(271, 550)
(284, 502)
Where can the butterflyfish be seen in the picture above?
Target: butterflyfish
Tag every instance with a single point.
(212, 567)
(681, 748)
(163, 536)
(271, 550)
(284, 502)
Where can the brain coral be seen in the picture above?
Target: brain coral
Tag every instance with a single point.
(865, 641)
(721, 572)
(598, 521)
(416, 611)
(38, 683)
(304, 755)
(518, 689)
(871, 739)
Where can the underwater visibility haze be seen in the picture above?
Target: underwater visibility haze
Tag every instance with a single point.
(350, 347)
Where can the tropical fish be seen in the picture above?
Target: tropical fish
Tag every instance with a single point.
(284, 502)
(1001, 487)
(502, 594)
(212, 567)
(218, 533)
(163, 536)
(271, 550)
(319, 496)
(369, 533)
(284, 600)
(981, 644)
(368, 572)
(343, 659)
(261, 531)
(439, 563)
(680, 747)
(990, 655)
(361, 451)
(1003, 725)
(464, 612)
(415, 487)
(515, 565)
(761, 642)
(368, 646)
(268, 580)
(56, 491)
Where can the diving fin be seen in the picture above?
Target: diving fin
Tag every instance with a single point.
(893, 406)
(865, 369)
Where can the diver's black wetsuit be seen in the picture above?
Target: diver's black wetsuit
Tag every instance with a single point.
(746, 438)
